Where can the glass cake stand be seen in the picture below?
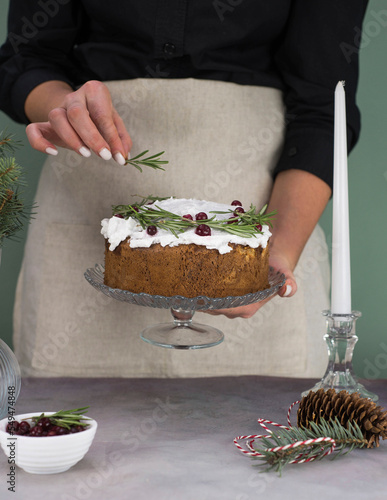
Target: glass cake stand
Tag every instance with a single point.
(182, 333)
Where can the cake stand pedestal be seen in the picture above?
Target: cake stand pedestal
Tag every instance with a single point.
(182, 333)
(341, 340)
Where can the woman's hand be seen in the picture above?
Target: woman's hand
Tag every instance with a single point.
(279, 263)
(84, 120)
(299, 198)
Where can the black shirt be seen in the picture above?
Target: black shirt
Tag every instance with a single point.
(303, 47)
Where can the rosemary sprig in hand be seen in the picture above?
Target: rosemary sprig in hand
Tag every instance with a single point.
(66, 418)
(152, 161)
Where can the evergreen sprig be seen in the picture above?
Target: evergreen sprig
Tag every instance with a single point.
(152, 161)
(8, 144)
(13, 212)
(346, 440)
(243, 225)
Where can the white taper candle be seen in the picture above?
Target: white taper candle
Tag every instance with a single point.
(341, 264)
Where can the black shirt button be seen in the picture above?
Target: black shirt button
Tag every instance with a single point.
(292, 151)
(169, 49)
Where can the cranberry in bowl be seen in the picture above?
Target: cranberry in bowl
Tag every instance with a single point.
(48, 450)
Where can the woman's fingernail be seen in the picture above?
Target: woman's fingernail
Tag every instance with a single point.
(51, 151)
(119, 158)
(288, 291)
(128, 157)
(105, 154)
(85, 152)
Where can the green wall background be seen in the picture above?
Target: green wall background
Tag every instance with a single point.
(367, 191)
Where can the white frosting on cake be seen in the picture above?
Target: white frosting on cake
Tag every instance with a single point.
(117, 230)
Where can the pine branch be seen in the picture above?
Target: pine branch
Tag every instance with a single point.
(8, 144)
(13, 212)
(10, 173)
(346, 440)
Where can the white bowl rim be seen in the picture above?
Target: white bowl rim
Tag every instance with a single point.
(25, 416)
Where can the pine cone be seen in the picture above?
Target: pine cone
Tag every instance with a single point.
(346, 407)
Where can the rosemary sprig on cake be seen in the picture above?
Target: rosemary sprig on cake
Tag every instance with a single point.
(151, 217)
(152, 161)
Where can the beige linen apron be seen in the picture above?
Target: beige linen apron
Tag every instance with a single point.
(222, 141)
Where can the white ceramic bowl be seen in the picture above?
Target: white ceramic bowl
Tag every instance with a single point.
(48, 454)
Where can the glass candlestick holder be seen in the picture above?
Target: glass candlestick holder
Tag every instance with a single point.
(341, 340)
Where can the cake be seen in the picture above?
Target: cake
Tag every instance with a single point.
(187, 247)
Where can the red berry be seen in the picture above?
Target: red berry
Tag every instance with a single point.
(77, 428)
(24, 427)
(238, 210)
(62, 431)
(188, 216)
(12, 427)
(203, 230)
(45, 423)
(151, 230)
(259, 227)
(119, 216)
(135, 208)
(236, 203)
(201, 216)
(36, 431)
(42, 429)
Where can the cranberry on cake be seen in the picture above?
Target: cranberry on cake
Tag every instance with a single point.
(170, 246)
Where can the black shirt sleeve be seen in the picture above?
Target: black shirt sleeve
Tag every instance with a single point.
(41, 36)
(320, 47)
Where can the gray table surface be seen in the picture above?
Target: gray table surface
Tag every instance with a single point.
(170, 439)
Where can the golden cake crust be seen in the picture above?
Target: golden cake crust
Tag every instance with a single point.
(188, 270)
